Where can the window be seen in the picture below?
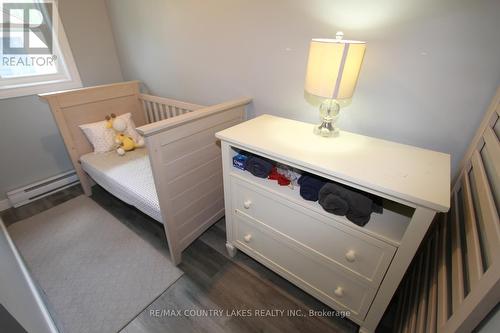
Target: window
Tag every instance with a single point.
(35, 54)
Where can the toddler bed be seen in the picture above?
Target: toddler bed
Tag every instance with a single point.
(176, 178)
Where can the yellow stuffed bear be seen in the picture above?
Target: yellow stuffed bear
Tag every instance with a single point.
(125, 143)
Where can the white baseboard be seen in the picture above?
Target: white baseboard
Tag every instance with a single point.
(4, 204)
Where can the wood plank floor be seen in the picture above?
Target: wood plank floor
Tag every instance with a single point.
(232, 288)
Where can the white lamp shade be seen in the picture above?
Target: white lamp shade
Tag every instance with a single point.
(333, 67)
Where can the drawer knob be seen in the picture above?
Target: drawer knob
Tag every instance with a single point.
(339, 292)
(247, 238)
(350, 256)
(247, 204)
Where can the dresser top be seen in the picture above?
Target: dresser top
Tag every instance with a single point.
(400, 171)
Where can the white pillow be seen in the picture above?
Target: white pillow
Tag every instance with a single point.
(103, 139)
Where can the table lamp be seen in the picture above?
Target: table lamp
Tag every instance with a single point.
(332, 73)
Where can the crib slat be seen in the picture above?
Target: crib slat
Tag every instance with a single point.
(487, 207)
(164, 111)
(422, 298)
(432, 299)
(493, 146)
(156, 109)
(160, 114)
(145, 109)
(159, 108)
(416, 294)
(403, 317)
(474, 260)
(403, 295)
(168, 101)
(160, 111)
(442, 315)
(407, 308)
(151, 112)
(457, 281)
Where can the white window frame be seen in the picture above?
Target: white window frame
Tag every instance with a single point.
(66, 78)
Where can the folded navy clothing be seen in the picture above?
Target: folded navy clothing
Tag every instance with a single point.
(258, 167)
(310, 186)
(357, 206)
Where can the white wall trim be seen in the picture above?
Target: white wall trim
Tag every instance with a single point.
(4, 204)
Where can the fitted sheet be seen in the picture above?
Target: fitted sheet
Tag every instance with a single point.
(127, 177)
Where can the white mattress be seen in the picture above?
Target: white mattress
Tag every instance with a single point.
(128, 177)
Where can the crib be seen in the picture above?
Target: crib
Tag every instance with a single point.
(454, 279)
(184, 155)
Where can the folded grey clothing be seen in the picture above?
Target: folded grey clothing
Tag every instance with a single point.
(334, 198)
(334, 204)
(258, 167)
(360, 220)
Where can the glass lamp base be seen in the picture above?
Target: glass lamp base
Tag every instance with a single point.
(326, 129)
(329, 111)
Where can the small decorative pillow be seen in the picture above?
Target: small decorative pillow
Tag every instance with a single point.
(103, 139)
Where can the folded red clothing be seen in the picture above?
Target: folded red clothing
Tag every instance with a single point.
(274, 175)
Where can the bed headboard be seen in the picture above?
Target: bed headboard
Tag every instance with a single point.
(80, 106)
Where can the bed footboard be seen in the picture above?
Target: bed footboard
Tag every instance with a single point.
(187, 169)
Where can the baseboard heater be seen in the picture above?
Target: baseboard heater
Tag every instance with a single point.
(38, 190)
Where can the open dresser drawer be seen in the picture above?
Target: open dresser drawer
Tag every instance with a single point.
(332, 242)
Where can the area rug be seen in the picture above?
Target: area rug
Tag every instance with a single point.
(96, 273)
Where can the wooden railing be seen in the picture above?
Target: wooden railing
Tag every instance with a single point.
(454, 280)
(159, 108)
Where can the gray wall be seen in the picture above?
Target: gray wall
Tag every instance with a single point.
(30, 145)
(430, 70)
(491, 324)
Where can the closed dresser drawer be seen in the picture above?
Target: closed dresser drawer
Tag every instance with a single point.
(357, 252)
(335, 287)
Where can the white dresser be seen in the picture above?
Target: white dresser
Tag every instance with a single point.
(348, 267)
